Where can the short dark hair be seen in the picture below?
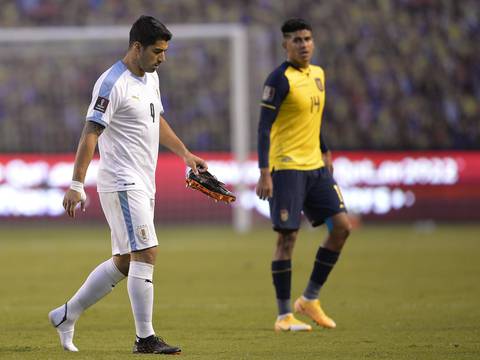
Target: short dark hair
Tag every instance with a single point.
(147, 31)
(295, 24)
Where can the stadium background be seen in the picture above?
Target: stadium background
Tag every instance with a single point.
(401, 76)
(402, 117)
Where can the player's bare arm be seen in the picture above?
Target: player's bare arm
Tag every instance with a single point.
(86, 149)
(169, 139)
(264, 186)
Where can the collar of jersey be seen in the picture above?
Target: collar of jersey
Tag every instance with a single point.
(305, 71)
(139, 78)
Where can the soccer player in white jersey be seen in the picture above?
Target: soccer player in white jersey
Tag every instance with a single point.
(125, 117)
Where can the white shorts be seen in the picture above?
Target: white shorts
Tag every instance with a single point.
(130, 217)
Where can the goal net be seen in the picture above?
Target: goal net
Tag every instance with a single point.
(46, 79)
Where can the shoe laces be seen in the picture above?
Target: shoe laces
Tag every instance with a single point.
(160, 339)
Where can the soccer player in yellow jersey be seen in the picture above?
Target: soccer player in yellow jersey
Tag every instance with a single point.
(296, 174)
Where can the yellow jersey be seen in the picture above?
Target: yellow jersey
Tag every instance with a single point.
(291, 117)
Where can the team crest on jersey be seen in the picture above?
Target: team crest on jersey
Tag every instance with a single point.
(284, 215)
(142, 233)
(268, 93)
(101, 104)
(318, 81)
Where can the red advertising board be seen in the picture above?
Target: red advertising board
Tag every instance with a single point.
(376, 185)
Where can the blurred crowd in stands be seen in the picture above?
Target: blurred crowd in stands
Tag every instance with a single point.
(401, 74)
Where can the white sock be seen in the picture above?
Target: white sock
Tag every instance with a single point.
(140, 291)
(99, 283)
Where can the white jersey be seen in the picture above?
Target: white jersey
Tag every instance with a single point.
(129, 107)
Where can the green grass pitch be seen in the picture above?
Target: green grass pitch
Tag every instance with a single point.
(398, 292)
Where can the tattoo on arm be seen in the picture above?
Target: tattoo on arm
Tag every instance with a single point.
(93, 127)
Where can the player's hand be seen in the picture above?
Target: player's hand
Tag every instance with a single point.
(264, 187)
(195, 163)
(71, 200)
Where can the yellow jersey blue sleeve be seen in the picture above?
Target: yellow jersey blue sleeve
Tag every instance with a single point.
(289, 135)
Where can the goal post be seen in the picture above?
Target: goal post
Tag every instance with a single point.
(236, 34)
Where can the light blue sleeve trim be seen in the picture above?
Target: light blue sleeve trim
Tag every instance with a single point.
(98, 121)
(107, 85)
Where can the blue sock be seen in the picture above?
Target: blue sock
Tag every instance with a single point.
(324, 263)
(282, 279)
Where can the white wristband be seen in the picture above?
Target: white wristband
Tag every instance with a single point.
(78, 186)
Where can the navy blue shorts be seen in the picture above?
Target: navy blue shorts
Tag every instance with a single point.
(314, 192)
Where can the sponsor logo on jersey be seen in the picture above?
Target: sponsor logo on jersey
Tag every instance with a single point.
(318, 81)
(101, 104)
(268, 93)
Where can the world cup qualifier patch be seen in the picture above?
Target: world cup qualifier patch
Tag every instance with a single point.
(101, 104)
(268, 93)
